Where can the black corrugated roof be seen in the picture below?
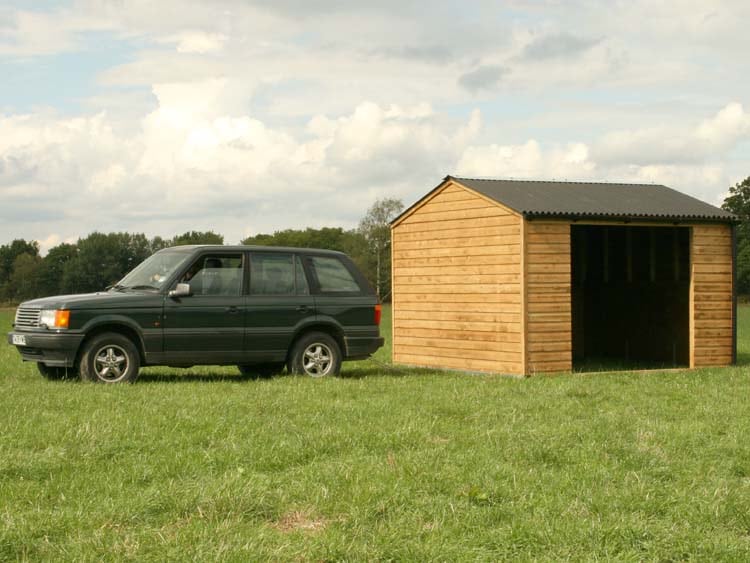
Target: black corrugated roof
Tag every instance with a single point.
(591, 200)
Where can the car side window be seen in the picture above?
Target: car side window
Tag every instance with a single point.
(333, 276)
(272, 274)
(215, 274)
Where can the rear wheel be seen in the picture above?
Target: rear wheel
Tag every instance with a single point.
(109, 358)
(52, 372)
(315, 354)
(255, 371)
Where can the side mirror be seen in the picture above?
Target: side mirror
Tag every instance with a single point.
(181, 290)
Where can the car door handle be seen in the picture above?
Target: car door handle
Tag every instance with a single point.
(232, 309)
(303, 309)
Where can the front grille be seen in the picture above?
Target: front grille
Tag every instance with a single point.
(27, 317)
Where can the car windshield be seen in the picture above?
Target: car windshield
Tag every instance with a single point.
(153, 272)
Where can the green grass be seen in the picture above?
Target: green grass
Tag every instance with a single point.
(377, 464)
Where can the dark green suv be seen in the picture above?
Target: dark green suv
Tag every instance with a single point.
(261, 308)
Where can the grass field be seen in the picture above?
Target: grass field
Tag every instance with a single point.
(376, 464)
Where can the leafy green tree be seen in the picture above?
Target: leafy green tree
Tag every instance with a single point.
(102, 259)
(52, 268)
(24, 279)
(9, 253)
(738, 202)
(197, 237)
(375, 227)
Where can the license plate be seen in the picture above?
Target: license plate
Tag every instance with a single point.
(19, 340)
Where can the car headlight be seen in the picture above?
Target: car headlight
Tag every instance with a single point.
(55, 318)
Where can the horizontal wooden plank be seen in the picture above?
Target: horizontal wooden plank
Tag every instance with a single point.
(548, 238)
(451, 234)
(560, 228)
(450, 270)
(712, 314)
(440, 216)
(701, 252)
(534, 267)
(458, 363)
(438, 205)
(564, 346)
(708, 277)
(553, 317)
(512, 275)
(713, 323)
(547, 278)
(440, 261)
(482, 260)
(543, 326)
(723, 305)
(702, 297)
(713, 362)
(549, 367)
(470, 251)
(562, 356)
(458, 307)
(459, 344)
(454, 195)
(713, 287)
(471, 298)
(563, 335)
(547, 258)
(545, 288)
(496, 221)
(713, 258)
(467, 289)
(445, 332)
(495, 240)
(552, 306)
(463, 326)
(451, 317)
(713, 332)
(546, 248)
(443, 352)
(725, 269)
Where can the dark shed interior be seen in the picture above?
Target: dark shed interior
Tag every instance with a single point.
(630, 292)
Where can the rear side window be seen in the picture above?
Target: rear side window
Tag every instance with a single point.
(277, 274)
(333, 276)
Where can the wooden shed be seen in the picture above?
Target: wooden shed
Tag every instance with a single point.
(523, 277)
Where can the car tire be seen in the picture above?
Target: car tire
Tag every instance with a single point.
(109, 358)
(53, 373)
(315, 354)
(256, 371)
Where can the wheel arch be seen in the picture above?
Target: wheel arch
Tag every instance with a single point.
(331, 329)
(117, 326)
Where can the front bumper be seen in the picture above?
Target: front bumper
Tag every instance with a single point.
(361, 347)
(53, 349)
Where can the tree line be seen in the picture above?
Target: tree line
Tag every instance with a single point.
(98, 260)
(738, 202)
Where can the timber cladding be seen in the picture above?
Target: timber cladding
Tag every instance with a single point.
(481, 286)
(711, 294)
(457, 285)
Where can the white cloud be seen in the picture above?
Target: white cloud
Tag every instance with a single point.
(196, 42)
(707, 140)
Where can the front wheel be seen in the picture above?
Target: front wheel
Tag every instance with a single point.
(109, 358)
(315, 354)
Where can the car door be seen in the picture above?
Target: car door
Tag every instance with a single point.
(209, 325)
(279, 302)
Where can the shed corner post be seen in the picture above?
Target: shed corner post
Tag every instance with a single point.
(393, 294)
(691, 301)
(524, 312)
(734, 294)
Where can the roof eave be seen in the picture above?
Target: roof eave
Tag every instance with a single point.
(629, 218)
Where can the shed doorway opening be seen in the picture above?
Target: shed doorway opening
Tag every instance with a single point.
(630, 297)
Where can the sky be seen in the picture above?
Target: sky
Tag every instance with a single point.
(250, 116)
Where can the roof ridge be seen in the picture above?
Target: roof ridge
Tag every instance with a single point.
(488, 179)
